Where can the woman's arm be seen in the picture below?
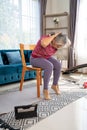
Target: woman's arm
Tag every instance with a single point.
(47, 40)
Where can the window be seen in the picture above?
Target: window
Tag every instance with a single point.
(81, 35)
(19, 22)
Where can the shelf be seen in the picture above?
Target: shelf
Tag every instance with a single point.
(48, 23)
(56, 15)
(56, 28)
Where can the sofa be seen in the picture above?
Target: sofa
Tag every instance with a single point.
(11, 66)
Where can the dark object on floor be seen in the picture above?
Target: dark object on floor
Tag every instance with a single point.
(4, 125)
(74, 69)
(26, 111)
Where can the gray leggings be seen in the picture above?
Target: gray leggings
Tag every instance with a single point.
(48, 65)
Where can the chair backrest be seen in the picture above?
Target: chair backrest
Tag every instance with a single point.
(25, 47)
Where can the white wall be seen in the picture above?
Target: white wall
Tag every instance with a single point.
(57, 6)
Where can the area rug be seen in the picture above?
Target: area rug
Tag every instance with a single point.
(45, 108)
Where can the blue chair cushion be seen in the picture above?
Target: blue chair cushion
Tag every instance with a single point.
(13, 57)
(1, 62)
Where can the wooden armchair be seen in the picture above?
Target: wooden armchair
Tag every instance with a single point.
(30, 67)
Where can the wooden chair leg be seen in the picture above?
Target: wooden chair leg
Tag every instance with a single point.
(40, 77)
(38, 83)
(22, 78)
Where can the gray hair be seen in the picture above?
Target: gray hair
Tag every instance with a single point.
(61, 38)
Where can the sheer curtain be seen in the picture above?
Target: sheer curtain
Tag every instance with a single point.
(73, 10)
(43, 4)
(80, 44)
(19, 22)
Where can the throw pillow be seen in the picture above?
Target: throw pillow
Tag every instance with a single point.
(13, 57)
(1, 62)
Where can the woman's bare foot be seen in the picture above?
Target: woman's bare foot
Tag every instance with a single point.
(46, 94)
(56, 89)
